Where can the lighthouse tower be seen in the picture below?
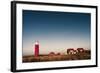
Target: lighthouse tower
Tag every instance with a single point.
(36, 52)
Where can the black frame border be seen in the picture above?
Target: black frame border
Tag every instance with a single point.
(13, 35)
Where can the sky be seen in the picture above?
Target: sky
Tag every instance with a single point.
(55, 31)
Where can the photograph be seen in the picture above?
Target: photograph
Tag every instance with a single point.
(48, 36)
(56, 36)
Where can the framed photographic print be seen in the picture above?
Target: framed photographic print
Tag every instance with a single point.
(47, 36)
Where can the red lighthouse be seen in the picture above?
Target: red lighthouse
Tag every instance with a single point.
(36, 53)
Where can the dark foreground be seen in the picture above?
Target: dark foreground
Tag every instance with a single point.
(43, 58)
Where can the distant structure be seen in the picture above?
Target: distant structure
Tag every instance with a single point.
(71, 51)
(51, 54)
(80, 50)
(36, 52)
(58, 53)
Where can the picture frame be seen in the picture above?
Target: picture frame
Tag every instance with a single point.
(62, 15)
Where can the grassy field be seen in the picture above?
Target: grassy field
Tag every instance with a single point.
(43, 58)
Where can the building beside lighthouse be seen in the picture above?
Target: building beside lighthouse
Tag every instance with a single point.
(36, 49)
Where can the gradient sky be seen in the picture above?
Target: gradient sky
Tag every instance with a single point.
(55, 31)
